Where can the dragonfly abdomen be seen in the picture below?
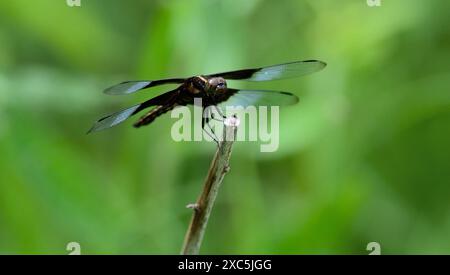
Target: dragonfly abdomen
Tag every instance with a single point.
(150, 116)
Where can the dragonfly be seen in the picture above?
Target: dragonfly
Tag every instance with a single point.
(211, 88)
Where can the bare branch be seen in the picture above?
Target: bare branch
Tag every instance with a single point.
(202, 208)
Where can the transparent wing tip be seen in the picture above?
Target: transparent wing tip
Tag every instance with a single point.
(113, 119)
(127, 87)
(320, 63)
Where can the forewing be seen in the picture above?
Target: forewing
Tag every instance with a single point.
(281, 71)
(129, 87)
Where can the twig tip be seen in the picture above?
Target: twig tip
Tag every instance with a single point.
(192, 206)
(232, 121)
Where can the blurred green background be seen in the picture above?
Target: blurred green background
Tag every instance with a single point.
(364, 156)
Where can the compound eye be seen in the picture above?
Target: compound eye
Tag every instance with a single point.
(220, 85)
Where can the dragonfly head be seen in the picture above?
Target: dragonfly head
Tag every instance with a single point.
(217, 84)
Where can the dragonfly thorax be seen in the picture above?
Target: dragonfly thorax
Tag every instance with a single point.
(201, 84)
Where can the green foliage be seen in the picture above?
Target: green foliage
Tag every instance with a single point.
(363, 157)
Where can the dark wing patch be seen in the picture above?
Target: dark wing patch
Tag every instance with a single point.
(281, 71)
(129, 87)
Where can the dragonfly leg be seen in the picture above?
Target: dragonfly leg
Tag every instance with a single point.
(219, 112)
(205, 121)
(216, 119)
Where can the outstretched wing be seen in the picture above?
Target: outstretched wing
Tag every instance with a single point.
(120, 116)
(129, 87)
(257, 98)
(281, 71)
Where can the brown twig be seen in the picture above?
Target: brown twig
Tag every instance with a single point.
(202, 208)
